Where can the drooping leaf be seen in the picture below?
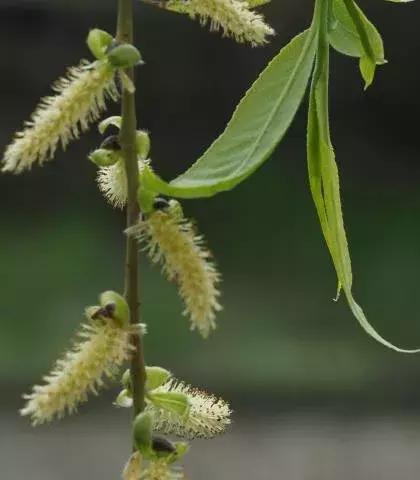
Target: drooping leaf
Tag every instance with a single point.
(325, 187)
(351, 33)
(257, 126)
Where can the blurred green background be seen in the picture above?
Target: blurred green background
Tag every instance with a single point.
(282, 345)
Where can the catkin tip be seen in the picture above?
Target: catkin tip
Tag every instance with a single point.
(233, 17)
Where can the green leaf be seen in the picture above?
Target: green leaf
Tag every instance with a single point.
(351, 33)
(156, 377)
(325, 186)
(175, 402)
(257, 126)
(142, 432)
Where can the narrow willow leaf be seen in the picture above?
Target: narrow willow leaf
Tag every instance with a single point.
(352, 34)
(257, 126)
(325, 188)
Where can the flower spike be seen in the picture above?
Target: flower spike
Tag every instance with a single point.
(233, 17)
(171, 240)
(104, 347)
(80, 99)
(208, 415)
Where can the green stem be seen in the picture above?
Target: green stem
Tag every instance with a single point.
(128, 144)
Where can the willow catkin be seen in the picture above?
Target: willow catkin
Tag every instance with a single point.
(103, 347)
(208, 415)
(80, 98)
(173, 242)
(233, 17)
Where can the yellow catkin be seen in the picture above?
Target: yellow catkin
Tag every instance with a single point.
(233, 17)
(174, 243)
(103, 346)
(208, 416)
(80, 98)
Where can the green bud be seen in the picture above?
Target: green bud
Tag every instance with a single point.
(124, 399)
(142, 432)
(143, 144)
(175, 402)
(104, 158)
(126, 380)
(156, 377)
(115, 306)
(124, 56)
(114, 121)
(98, 42)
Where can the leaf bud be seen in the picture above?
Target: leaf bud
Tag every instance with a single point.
(142, 432)
(124, 55)
(98, 42)
(104, 158)
(143, 144)
(115, 306)
(126, 380)
(156, 377)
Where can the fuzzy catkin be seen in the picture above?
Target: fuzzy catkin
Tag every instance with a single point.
(80, 98)
(104, 346)
(233, 17)
(208, 416)
(112, 182)
(173, 242)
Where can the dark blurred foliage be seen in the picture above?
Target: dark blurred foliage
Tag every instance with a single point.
(281, 339)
